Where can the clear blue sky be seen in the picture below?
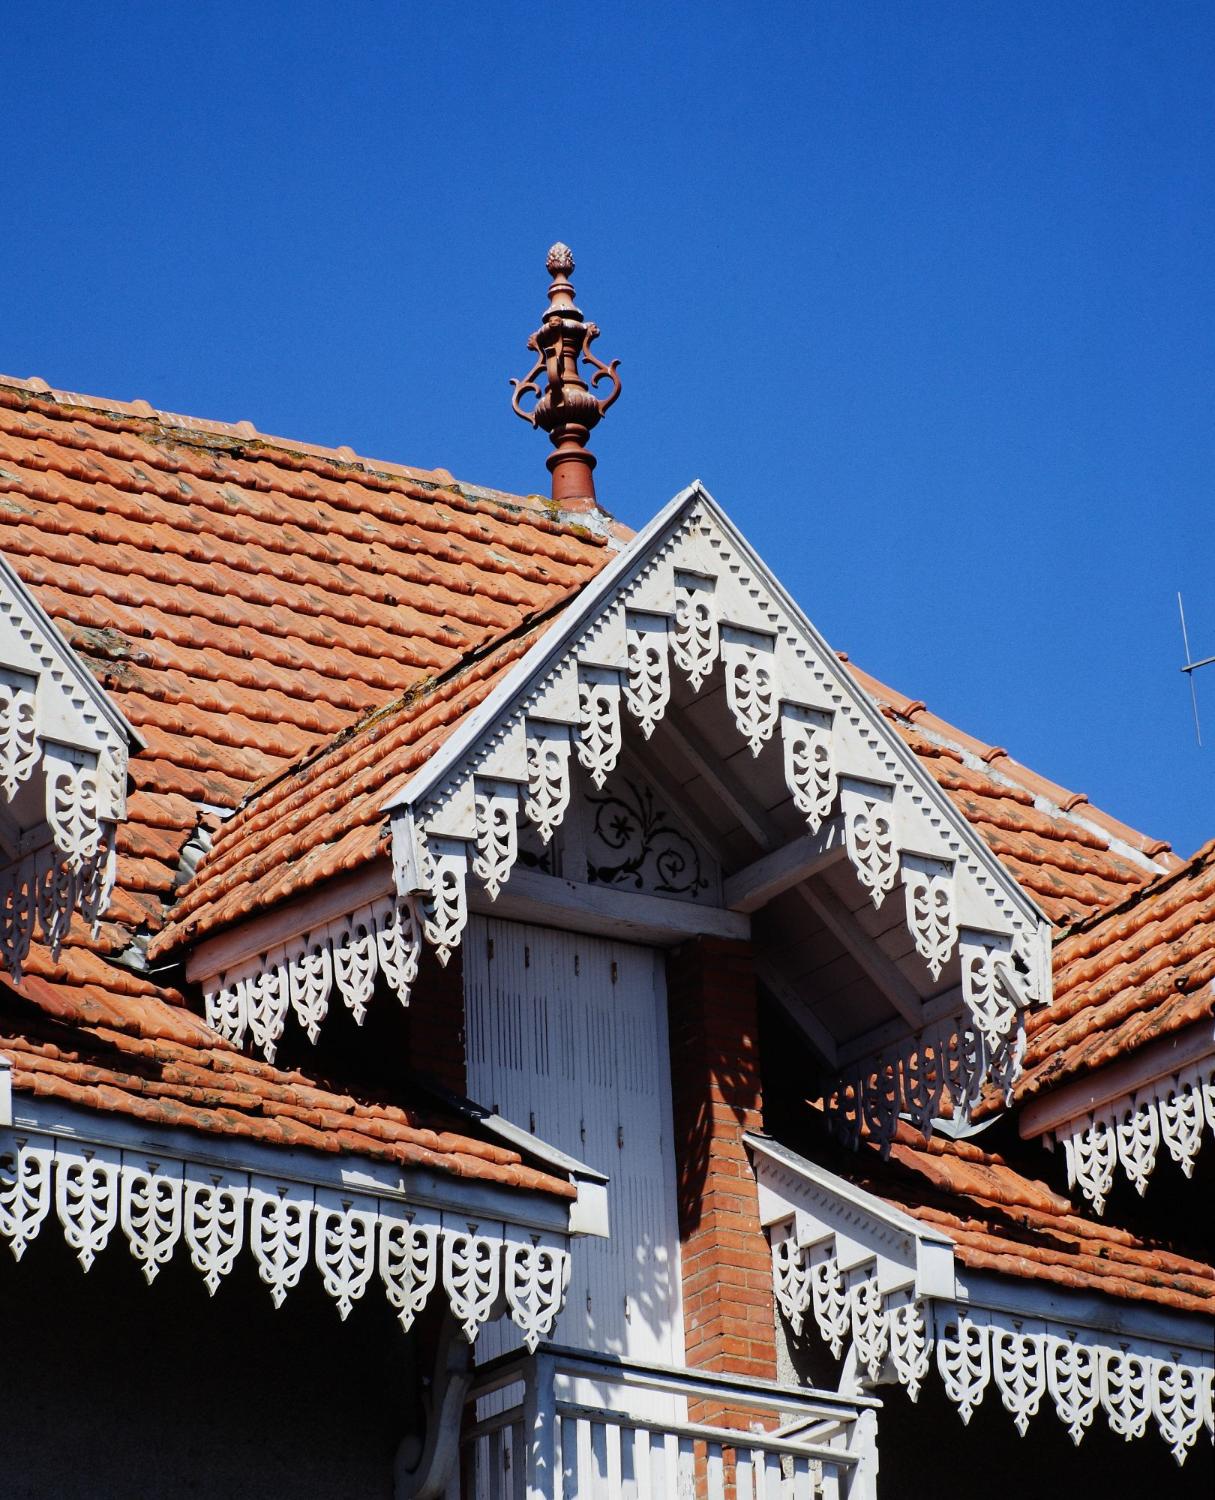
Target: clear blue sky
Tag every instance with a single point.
(923, 292)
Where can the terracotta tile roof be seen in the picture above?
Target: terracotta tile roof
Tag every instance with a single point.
(1127, 977)
(246, 599)
(323, 817)
(309, 625)
(1007, 1223)
(1070, 857)
(88, 1035)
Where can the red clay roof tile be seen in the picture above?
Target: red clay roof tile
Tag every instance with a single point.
(1005, 1222)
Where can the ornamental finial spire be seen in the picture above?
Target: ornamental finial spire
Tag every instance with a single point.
(566, 408)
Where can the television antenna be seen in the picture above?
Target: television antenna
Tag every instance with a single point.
(1191, 667)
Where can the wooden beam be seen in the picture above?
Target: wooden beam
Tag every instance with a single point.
(884, 972)
(758, 883)
(797, 1010)
(529, 896)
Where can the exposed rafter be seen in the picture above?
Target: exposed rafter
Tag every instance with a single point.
(750, 888)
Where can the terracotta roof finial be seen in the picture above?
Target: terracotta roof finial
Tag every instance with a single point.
(566, 408)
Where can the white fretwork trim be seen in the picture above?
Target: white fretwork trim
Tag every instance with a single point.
(253, 999)
(870, 1276)
(353, 1240)
(40, 893)
(689, 590)
(1173, 1113)
(912, 1078)
(894, 1334)
(53, 715)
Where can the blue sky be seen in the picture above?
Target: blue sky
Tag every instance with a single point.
(924, 294)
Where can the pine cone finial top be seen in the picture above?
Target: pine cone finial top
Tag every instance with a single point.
(560, 260)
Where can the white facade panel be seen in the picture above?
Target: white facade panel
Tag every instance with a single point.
(567, 1037)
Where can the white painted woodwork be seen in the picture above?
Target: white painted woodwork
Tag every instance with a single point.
(356, 1242)
(63, 772)
(884, 1290)
(567, 1037)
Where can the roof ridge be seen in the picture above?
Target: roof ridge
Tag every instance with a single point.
(134, 415)
(1055, 798)
(1202, 856)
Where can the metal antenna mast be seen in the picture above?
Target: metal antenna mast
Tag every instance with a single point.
(1191, 667)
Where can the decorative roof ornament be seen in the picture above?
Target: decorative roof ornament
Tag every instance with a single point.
(567, 408)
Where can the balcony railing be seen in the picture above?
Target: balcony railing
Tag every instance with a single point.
(549, 1442)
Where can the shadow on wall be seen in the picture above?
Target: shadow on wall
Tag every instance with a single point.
(714, 1063)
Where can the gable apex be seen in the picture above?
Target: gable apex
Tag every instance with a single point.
(690, 594)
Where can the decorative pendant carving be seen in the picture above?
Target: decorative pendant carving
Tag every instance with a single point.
(599, 733)
(472, 1275)
(1071, 1374)
(86, 1199)
(647, 687)
(310, 976)
(790, 1279)
(930, 909)
(409, 1265)
(149, 1212)
(25, 1190)
(964, 1360)
(280, 1224)
(398, 943)
(829, 1299)
(1126, 1391)
(445, 906)
(71, 804)
(548, 777)
(18, 731)
(910, 1345)
(267, 996)
(988, 997)
(870, 1327)
(497, 814)
(868, 812)
(354, 960)
(1018, 1365)
(536, 1278)
(809, 763)
(696, 640)
(344, 1240)
(214, 1221)
(751, 691)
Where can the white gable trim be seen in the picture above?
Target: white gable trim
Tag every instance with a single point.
(887, 1289)
(54, 718)
(690, 593)
(687, 594)
(363, 1226)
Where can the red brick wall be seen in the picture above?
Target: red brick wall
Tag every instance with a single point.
(435, 1021)
(729, 1320)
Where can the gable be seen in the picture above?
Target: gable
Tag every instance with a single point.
(63, 771)
(689, 594)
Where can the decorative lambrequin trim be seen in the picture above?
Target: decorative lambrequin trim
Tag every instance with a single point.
(895, 1333)
(55, 718)
(696, 597)
(346, 953)
(911, 1078)
(1128, 1132)
(353, 1239)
